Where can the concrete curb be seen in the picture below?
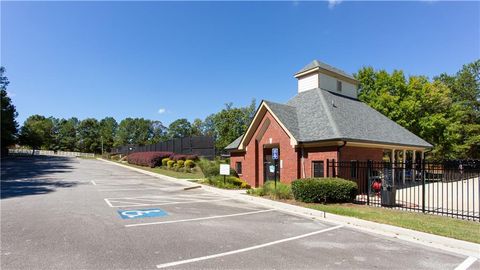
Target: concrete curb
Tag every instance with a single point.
(426, 239)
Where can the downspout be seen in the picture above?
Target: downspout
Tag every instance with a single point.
(339, 148)
(302, 152)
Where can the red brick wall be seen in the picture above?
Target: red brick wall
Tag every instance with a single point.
(318, 154)
(348, 153)
(252, 164)
(252, 159)
(237, 157)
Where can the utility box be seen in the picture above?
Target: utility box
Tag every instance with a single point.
(388, 196)
(389, 191)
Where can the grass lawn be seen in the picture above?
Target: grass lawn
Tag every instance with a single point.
(197, 174)
(444, 226)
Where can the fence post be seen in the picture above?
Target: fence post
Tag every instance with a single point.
(328, 167)
(423, 186)
(333, 168)
(367, 182)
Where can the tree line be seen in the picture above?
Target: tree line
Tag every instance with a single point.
(91, 135)
(444, 111)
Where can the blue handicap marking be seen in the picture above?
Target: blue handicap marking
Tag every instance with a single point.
(142, 213)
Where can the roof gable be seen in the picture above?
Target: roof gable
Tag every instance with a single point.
(286, 118)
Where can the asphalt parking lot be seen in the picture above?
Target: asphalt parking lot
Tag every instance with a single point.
(68, 213)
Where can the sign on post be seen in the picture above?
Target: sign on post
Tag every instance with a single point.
(275, 153)
(224, 169)
(275, 159)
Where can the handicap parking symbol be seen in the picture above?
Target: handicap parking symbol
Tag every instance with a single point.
(142, 213)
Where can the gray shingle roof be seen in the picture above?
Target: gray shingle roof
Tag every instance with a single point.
(320, 115)
(287, 115)
(323, 115)
(234, 144)
(316, 63)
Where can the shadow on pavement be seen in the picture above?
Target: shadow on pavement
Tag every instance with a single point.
(32, 175)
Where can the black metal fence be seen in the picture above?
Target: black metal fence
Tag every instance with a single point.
(449, 188)
(196, 145)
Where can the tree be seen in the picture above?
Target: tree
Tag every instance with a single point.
(108, 130)
(9, 126)
(179, 128)
(208, 126)
(464, 113)
(66, 136)
(133, 131)
(159, 132)
(230, 123)
(197, 127)
(36, 132)
(89, 140)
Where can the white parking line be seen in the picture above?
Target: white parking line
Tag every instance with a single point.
(196, 219)
(109, 204)
(165, 265)
(147, 204)
(466, 264)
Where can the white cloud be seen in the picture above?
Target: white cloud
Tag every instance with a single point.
(161, 110)
(333, 3)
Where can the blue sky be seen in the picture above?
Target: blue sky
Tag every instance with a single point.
(169, 60)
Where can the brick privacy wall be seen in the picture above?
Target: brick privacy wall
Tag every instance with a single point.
(252, 160)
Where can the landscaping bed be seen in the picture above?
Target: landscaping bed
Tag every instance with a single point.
(211, 170)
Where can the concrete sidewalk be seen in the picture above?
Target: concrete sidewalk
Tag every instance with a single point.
(430, 240)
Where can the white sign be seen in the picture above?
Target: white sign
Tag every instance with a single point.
(224, 169)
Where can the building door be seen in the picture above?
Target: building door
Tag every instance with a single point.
(270, 166)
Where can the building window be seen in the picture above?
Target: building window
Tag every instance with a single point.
(317, 168)
(238, 167)
(353, 169)
(339, 86)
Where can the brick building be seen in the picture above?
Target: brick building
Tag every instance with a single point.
(324, 122)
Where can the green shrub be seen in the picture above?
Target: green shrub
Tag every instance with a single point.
(212, 168)
(209, 168)
(315, 190)
(165, 161)
(283, 191)
(180, 163)
(189, 163)
(170, 164)
(231, 182)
